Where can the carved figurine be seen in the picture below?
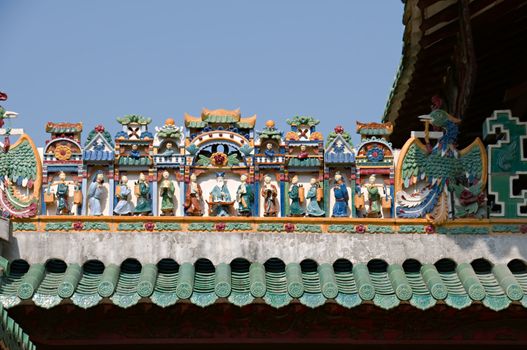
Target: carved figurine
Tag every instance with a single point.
(193, 198)
(167, 194)
(95, 192)
(123, 207)
(244, 197)
(269, 193)
(143, 206)
(269, 152)
(62, 195)
(220, 196)
(374, 198)
(314, 195)
(295, 209)
(340, 209)
(169, 150)
(303, 153)
(135, 153)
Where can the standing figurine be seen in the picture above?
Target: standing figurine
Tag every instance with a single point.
(314, 196)
(95, 192)
(269, 193)
(340, 209)
(295, 209)
(244, 197)
(62, 195)
(220, 194)
(167, 194)
(193, 198)
(123, 207)
(143, 206)
(374, 198)
(269, 152)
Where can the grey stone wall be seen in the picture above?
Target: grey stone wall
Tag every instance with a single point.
(223, 247)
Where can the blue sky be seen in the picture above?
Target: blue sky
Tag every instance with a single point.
(93, 61)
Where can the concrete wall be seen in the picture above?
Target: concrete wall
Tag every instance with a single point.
(223, 247)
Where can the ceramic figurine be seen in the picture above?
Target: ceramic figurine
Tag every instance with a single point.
(62, 195)
(295, 209)
(169, 150)
(269, 193)
(123, 207)
(303, 153)
(167, 194)
(95, 192)
(269, 150)
(374, 198)
(314, 196)
(193, 198)
(244, 197)
(220, 196)
(340, 209)
(143, 206)
(135, 153)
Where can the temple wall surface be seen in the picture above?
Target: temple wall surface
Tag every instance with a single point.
(114, 247)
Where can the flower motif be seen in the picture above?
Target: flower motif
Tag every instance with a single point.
(523, 228)
(430, 229)
(220, 226)
(339, 129)
(149, 226)
(78, 225)
(219, 159)
(375, 154)
(62, 152)
(99, 128)
(360, 228)
(289, 227)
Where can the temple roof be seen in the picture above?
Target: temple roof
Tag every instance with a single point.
(219, 116)
(241, 282)
(374, 128)
(63, 128)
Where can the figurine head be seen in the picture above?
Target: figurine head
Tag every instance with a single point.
(99, 177)
(269, 146)
(313, 181)
(220, 178)
(62, 176)
(124, 179)
(267, 179)
(372, 179)
(303, 148)
(169, 145)
(166, 174)
(338, 176)
(142, 177)
(294, 179)
(134, 147)
(243, 178)
(193, 178)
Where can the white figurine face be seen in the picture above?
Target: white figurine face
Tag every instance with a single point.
(142, 177)
(100, 178)
(124, 179)
(134, 147)
(338, 177)
(62, 176)
(313, 181)
(294, 180)
(372, 179)
(303, 148)
(166, 175)
(267, 179)
(243, 178)
(269, 146)
(193, 178)
(220, 180)
(169, 145)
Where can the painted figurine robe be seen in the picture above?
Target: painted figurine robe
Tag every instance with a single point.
(169, 150)
(295, 209)
(193, 198)
(374, 198)
(62, 194)
(313, 209)
(269, 192)
(167, 194)
(244, 197)
(123, 206)
(95, 192)
(135, 153)
(143, 206)
(220, 194)
(340, 209)
(269, 152)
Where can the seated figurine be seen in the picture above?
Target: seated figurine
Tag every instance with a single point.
(220, 197)
(169, 150)
(135, 153)
(269, 152)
